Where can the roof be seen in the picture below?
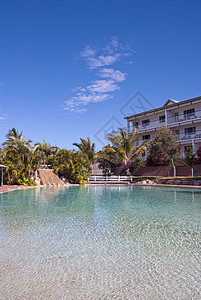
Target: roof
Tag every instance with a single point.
(2, 166)
(168, 103)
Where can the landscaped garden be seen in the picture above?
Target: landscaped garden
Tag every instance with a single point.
(122, 154)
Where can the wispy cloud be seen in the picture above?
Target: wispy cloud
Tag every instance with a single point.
(115, 75)
(2, 118)
(100, 89)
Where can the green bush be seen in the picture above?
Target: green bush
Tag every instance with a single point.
(138, 163)
(26, 182)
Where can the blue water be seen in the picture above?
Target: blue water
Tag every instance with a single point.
(100, 242)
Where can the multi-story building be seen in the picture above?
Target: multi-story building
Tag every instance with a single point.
(182, 117)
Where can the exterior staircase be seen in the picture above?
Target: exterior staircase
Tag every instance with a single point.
(49, 178)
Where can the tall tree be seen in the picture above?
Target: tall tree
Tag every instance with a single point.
(17, 154)
(87, 148)
(123, 147)
(163, 147)
(44, 151)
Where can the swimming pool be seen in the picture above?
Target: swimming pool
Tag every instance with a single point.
(101, 242)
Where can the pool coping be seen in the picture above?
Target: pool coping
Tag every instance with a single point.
(147, 184)
(12, 188)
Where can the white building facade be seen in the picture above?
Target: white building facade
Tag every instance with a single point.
(182, 117)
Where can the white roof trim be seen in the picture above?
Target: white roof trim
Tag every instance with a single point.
(170, 101)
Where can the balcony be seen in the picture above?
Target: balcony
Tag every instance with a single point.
(184, 117)
(151, 125)
(181, 137)
(185, 137)
(180, 118)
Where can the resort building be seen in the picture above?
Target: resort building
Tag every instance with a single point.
(182, 117)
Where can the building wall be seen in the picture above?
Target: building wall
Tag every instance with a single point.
(186, 127)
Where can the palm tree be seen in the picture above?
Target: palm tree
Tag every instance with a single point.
(15, 153)
(17, 145)
(44, 150)
(61, 161)
(88, 149)
(123, 147)
(12, 134)
(16, 140)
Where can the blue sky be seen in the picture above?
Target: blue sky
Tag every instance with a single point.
(68, 67)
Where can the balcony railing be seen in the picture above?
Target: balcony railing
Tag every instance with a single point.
(190, 136)
(181, 137)
(151, 124)
(184, 117)
(170, 120)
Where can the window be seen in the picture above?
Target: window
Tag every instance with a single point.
(145, 123)
(190, 130)
(189, 113)
(135, 124)
(162, 119)
(146, 137)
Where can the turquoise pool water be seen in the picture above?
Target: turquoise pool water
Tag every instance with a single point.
(100, 242)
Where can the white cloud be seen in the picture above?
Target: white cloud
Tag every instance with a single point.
(101, 60)
(83, 99)
(2, 117)
(108, 55)
(103, 86)
(88, 51)
(116, 75)
(100, 89)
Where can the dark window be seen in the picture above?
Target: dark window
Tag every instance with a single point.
(162, 119)
(189, 113)
(190, 130)
(146, 137)
(145, 123)
(143, 154)
(135, 124)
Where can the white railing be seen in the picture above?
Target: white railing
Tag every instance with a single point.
(181, 117)
(110, 179)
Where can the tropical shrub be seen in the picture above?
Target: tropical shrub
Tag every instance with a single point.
(105, 165)
(190, 157)
(22, 160)
(138, 162)
(199, 154)
(26, 182)
(163, 148)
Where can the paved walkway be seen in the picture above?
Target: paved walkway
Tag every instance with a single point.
(6, 188)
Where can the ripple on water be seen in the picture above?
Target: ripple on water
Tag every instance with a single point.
(100, 243)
